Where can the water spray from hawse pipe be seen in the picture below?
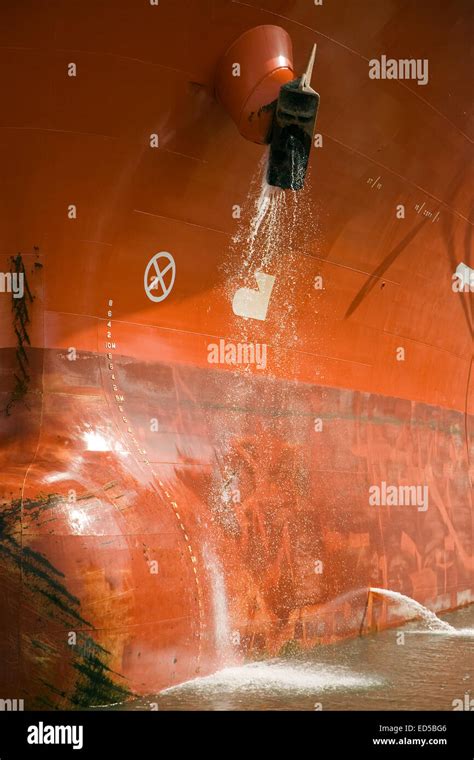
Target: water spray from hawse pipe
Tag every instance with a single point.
(409, 609)
(256, 84)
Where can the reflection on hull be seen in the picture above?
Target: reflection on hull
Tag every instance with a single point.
(294, 544)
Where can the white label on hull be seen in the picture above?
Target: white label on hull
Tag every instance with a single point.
(463, 279)
(160, 265)
(253, 304)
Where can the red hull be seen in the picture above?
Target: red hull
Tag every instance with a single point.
(136, 554)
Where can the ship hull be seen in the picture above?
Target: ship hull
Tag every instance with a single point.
(242, 534)
(186, 482)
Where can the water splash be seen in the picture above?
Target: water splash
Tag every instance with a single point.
(267, 211)
(276, 228)
(462, 633)
(274, 676)
(433, 622)
(262, 232)
(219, 604)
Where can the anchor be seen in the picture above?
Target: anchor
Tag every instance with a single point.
(269, 105)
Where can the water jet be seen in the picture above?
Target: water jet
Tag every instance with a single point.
(419, 611)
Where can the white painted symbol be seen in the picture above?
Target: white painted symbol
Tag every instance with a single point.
(155, 276)
(463, 279)
(253, 304)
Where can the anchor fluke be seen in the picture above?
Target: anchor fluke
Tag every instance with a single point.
(306, 78)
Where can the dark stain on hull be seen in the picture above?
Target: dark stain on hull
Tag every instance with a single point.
(21, 318)
(45, 593)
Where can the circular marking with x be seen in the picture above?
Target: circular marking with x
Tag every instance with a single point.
(160, 265)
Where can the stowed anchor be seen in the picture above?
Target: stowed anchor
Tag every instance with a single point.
(267, 103)
(292, 133)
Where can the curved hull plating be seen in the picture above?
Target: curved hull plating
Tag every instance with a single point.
(163, 510)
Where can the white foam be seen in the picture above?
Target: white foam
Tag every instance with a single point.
(277, 675)
(466, 633)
